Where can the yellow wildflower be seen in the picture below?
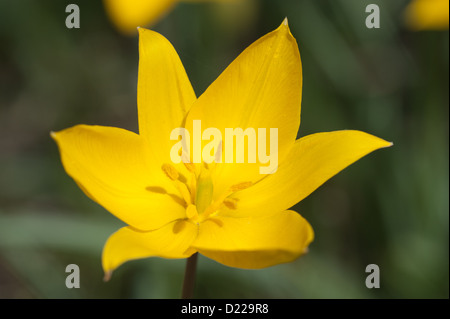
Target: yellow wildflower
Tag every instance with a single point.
(229, 212)
(127, 15)
(427, 15)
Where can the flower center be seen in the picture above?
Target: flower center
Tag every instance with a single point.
(197, 191)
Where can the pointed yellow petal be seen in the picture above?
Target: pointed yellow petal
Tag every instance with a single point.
(164, 92)
(127, 15)
(427, 15)
(261, 88)
(254, 243)
(170, 241)
(313, 160)
(112, 167)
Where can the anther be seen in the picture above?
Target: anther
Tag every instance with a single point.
(240, 186)
(170, 171)
(230, 203)
(173, 175)
(190, 167)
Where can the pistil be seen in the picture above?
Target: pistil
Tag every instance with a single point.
(205, 190)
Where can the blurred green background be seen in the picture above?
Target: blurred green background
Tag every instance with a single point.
(390, 208)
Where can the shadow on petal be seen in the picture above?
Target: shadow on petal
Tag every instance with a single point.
(162, 191)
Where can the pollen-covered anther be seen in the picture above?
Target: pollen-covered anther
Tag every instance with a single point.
(170, 171)
(190, 167)
(240, 186)
(230, 203)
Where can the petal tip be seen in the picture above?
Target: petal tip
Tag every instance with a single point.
(107, 276)
(387, 144)
(284, 27)
(141, 30)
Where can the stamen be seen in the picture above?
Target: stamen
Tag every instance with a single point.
(184, 157)
(230, 203)
(190, 167)
(173, 175)
(193, 187)
(170, 171)
(240, 186)
(220, 151)
(183, 189)
(192, 181)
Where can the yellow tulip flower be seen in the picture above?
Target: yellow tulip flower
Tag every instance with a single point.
(427, 15)
(127, 15)
(228, 212)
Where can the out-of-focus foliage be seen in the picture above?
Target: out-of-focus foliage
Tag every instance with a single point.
(391, 208)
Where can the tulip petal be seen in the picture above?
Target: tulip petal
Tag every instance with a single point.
(170, 241)
(164, 92)
(254, 243)
(112, 167)
(313, 160)
(261, 88)
(127, 15)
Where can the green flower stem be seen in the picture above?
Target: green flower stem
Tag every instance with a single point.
(189, 277)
